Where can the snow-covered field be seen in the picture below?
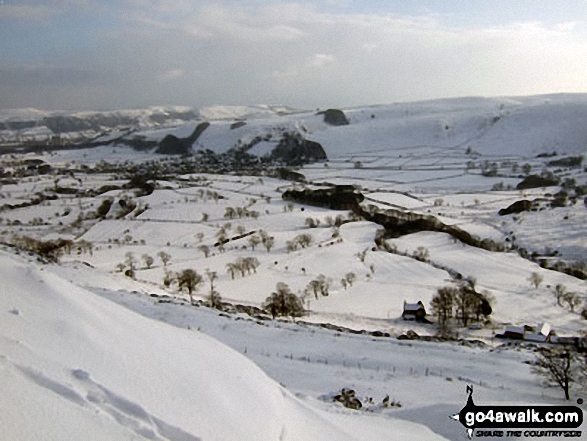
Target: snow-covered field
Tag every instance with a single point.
(87, 352)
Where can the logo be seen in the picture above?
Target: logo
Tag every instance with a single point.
(500, 421)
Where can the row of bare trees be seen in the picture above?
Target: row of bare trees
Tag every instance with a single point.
(51, 250)
(240, 212)
(242, 265)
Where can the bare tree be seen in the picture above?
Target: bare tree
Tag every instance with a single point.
(250, 263)
(314, 286)
(229, 213)
(443, 303)
(169, 278)
(130, 261)
(191, 280)
(526, 168)
(350, 278)
(466, 302)
(572, 299)
(212, 276)
(559, 291)
(422, 254)
(304, 240)
(536, 279)
(324, 284)
(311, 222)
(362, 254)
(254, 240)
(165, 258)
(268, 243)
(231, 268)
(214, 299)
(556, 366)
(204, 249)
(148, 260)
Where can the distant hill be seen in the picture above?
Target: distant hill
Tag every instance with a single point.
(485, 126)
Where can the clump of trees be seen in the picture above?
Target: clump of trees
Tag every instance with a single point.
(348, 280)
(47, 250)
(283, 302)
(461, 303)
(422, 254)
(266, 240)
(302, 240)
(572, 299)
(312, 223)
(320, 285)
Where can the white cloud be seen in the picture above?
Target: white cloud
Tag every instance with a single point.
(319, 60)
(173, 74)
(293, 53)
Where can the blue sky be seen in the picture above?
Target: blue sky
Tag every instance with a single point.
(82, 54)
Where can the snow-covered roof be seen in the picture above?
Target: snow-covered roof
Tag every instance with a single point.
(413, 306)
(544, 329)
(515, 329)
(541, 334)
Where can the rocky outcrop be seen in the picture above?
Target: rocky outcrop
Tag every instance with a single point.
(172, 145)
(293, 149)
(517, 207)
(334, 117)
(237, 125)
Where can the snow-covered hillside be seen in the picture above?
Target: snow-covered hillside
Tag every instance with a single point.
(523, 126)
(76, 366)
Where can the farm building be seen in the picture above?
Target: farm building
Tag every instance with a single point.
(414, 311)
(539, 334)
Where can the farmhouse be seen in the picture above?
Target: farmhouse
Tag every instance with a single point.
(414, 311)
(539, 334)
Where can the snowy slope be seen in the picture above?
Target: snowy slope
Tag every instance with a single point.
(76, 366)
(502, 126)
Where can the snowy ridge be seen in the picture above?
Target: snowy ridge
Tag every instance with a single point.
(489, 126)
(523, 126)
(243, 112)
